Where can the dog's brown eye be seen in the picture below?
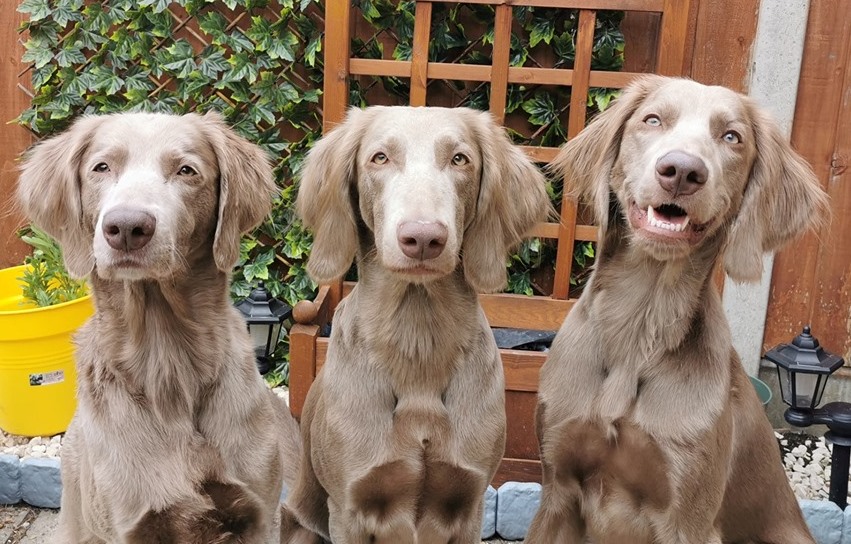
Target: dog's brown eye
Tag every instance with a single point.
(653, 120)
(732, 137)
(101, 167)
(379, 158)
(186, 171)
(460, 159)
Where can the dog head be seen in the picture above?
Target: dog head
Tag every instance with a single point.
(431, 186)
(683, 161)
(140, 196)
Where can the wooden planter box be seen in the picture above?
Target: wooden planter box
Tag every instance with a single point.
(308, 349)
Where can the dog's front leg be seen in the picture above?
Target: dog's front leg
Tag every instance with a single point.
(292, 531)
(439, 527)
(72, 527)
(306, 508)
(558, 520)
(379, 507)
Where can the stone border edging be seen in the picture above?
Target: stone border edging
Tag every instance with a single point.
(35, 481)
(508, 511)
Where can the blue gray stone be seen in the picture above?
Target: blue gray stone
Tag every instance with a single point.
(824, 519)
(489, 513)
(516, 505)
(10, 479)
(41, 483)
(846, 526)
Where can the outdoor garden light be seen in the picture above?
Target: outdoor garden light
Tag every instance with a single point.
(265, 316)
(803, 368)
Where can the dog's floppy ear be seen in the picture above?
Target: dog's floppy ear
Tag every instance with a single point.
(782, 200)
(324, 199)
(585, 162)
(246, 188)
(49, 192)
(512, 198)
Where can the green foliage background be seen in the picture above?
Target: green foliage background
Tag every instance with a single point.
(259, 62)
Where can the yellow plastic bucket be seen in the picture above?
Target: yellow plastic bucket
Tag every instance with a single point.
(37, 373)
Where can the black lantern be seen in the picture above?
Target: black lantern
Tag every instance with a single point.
(803, 368)
(265, 316)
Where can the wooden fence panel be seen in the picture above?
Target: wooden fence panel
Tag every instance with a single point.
(13, 139)
(810, 282)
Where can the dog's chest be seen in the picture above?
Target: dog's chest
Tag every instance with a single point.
(421, 423)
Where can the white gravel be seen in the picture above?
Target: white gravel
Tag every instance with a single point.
(39, 446)
(808, 467)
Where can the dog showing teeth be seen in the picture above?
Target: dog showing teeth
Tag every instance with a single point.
(675, 223)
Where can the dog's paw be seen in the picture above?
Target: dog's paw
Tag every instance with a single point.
(160, 527)
(292, 532)
(451, 493)
(228, 515)
(387, 492)
(236, 515)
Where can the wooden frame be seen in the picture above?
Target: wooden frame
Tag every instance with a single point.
(308, 349)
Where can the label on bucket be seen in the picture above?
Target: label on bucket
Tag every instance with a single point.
(47, 378)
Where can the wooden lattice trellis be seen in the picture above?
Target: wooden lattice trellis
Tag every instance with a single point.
(516, 311)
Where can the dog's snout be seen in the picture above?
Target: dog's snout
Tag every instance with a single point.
(422, 240)
(127, 229)
(681, 173)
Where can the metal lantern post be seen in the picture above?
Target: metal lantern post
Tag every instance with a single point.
(803, 368)
(265, 316)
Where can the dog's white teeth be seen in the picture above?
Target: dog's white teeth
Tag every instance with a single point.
(654, 221)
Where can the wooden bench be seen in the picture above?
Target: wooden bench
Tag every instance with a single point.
(308, 348)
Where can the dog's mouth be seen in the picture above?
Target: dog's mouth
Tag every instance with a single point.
(419, 270)
(127, 262)
(666, 222)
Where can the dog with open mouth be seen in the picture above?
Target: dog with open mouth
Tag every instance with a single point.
(649, 430)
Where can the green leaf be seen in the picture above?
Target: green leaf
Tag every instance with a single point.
(543, 30)
(181, 68)
(38, 56)
(66, 11)
(313, 47)
(111, 84)
(212, 63)
(158, 5)
(69, 56)
(37, 9)
(541, 109)
(283, 47)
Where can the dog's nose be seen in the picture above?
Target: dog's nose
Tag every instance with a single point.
(681, 173)
(422, 240)
(128, 229)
